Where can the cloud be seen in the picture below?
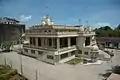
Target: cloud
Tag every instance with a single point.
(101, 24)
(25, 18)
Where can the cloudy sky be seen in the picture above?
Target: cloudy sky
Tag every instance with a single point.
(96, 12)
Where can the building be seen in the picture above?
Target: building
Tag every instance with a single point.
(114, 76)
(10, 30)
(109, 42)
(59, 43)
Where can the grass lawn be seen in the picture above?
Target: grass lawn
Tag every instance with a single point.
(74, 61)
(4, 69)
(7, 73)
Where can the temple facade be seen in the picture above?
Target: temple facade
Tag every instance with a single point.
(59, 43)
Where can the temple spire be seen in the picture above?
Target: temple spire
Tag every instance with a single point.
(47, 20)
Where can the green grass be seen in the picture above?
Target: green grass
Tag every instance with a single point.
(74, 61)
(4, 69)
(6, 72)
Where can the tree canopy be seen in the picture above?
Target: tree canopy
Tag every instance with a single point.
(107, 31)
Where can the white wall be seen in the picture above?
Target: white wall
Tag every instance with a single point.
(67, 59)
(80, 42)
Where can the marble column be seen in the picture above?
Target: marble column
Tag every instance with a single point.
(58, 43)
(52, 42)
(36, 41)
(42, 41)
(69, 41)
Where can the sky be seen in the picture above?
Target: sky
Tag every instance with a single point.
(64, 12)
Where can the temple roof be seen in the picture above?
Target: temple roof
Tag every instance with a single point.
(47, 23)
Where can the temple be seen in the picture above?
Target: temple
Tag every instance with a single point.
(59, 43)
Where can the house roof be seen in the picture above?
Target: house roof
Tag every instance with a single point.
(108, 39)
(6, 19)
(114, 77)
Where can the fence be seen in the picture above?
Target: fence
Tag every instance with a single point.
(28, 72)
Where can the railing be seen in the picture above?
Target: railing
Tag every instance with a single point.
(38, 47)
(67, 33)
(43, 33)
(67, 48)
(50, 48)
(86, 33)
(53, 33)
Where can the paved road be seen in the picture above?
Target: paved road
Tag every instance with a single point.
(45, 71)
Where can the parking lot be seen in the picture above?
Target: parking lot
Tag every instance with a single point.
(37, 70)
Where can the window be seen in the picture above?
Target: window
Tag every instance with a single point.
(49, 56)
(49, 30)
(72, 53)
(40, 52)
(87, 41)
(30, 40)
(33, 51)
(39, 42)
(50, 41)
(34, 41)
(79, 52)
(54, 43)
(63, 42)
(25, 50)
(62, 56)
(45, 31)
(73, 41)
(86, 53)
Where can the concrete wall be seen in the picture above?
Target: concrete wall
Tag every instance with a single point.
(81, 42)
(11, 32)
(42, 57)
(67, 59)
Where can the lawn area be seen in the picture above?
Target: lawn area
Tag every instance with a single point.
(4, 69)
(6, 72)
(74, 61)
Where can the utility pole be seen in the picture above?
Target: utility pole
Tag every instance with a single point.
(21, 66)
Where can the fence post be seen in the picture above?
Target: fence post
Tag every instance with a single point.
(36, 75)
(21, 66)
(10, 63)
(5, 61)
